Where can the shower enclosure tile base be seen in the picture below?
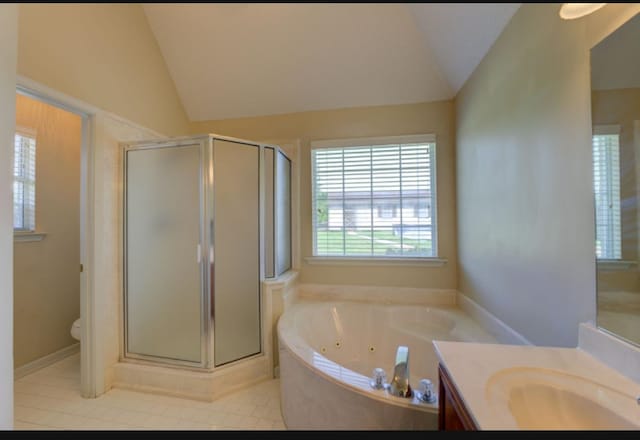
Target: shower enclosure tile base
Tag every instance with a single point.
(198, 385)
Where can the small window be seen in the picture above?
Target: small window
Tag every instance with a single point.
(370, 197)
(421, 211)
(387, 211)
(24, 182)
(606, 184)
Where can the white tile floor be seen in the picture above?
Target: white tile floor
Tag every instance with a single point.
(50, 399)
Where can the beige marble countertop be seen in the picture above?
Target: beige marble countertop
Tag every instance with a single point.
(479, 372)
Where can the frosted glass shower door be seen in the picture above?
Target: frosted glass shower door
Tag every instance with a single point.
(283, 214)
(269, 213)
(277, 212)
(236, 279)
(162, 241)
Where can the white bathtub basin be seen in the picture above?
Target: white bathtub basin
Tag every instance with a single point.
(328, 351)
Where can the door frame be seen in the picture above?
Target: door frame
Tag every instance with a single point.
(87, 113)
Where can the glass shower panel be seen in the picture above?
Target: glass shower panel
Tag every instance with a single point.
(236, 282)
(162, 241)
(283, 213)
(269, 231)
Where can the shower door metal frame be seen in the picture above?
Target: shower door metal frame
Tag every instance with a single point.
(276, 217)
(274, 153)
(205, 356)
(211, 241)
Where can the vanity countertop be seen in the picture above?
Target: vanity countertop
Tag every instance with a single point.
(485, 376)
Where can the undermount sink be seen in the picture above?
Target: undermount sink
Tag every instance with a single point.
(547, 399)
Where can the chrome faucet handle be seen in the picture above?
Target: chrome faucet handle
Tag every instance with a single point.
(426, 391)
(379, 379)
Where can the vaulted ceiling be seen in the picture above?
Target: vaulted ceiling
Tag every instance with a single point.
(250, 59)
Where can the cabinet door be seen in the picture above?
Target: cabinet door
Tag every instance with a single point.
(452, 413)
(163, 280)
(236, 244)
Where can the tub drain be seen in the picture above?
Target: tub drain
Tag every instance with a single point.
(372, 348)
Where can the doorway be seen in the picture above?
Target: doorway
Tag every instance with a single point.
(50, 242)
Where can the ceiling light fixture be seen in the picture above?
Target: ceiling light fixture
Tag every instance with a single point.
(569, 11)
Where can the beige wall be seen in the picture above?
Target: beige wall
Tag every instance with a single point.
(622, 107)
(103, 54)
(435, 117)
(525, 205)
(8, 57)
(46, 275)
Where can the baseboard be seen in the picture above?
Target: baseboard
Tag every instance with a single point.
(498, 329)
(45, 361)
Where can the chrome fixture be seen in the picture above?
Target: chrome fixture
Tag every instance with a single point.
(379, 379)
(399, 385)
(426, 393)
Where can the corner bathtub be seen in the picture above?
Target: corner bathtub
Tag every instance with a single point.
(328, 351)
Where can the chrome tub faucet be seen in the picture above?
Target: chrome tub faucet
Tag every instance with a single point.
(399, 385)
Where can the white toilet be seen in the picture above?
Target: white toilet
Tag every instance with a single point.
(75, 329)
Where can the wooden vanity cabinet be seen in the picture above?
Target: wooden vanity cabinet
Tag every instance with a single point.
(452, 413)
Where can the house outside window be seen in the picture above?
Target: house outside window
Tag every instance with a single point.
(422, 210)
(387, 211)
(374, 197)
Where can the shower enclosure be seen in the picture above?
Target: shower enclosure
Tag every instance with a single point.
(206, 220)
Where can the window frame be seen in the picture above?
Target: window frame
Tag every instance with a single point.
(30, 134)
(434, 259)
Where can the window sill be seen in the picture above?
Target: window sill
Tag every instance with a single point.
(614, 265)
(373, 261)
(28, 236)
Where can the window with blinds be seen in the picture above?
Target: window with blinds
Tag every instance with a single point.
(374, 199)
(606, 180)
(24, 183)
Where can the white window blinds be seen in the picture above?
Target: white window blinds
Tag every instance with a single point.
(606, 180)
(374, 200)
(24, 183)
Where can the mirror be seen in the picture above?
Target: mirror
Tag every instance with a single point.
(615, 112)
